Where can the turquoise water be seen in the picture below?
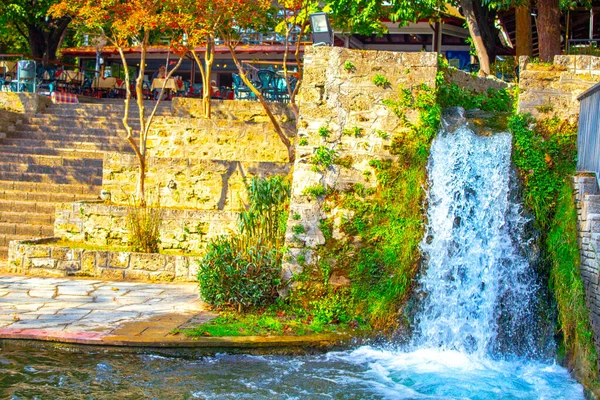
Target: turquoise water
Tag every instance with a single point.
(363, 373)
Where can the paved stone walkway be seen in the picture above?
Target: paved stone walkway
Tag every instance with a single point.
(90, 306)
(119, 314)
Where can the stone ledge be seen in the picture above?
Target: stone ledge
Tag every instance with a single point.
(40, 258)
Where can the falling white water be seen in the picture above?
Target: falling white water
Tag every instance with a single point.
(479, 288)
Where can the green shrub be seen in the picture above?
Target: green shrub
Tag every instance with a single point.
(314, 191)
(303, 142)
(323, 158)
(381, 81)
(234, 274)
(349, 66)
(324, 132)
(244, 270)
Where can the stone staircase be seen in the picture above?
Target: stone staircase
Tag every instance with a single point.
(56, 157)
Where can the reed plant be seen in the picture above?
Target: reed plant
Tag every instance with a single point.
(143, 223)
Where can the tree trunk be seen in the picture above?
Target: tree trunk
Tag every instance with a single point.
(44, 41)
(468, 7)
(548, 23)
(523, 30)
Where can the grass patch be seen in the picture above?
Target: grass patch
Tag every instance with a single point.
(573, 314)
(268, 323)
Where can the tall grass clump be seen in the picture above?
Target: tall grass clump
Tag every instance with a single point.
(573, 315)
(545, 154)
(244, 270)
(143, 224)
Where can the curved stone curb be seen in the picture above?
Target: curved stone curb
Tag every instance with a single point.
(177, 341)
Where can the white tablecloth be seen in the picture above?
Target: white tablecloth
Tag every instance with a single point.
(158, 82)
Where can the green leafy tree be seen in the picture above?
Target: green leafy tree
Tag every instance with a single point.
(29, 20)
(365, 17)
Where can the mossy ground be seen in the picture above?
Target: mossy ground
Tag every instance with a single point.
(271, 323)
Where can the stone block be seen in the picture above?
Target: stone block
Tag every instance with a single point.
(118, 259)
(147, 262)
(37, 251)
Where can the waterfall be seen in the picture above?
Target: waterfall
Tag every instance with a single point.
(480, 290)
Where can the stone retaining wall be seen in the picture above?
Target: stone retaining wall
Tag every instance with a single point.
(339, 94)
(23, 103)
(42, 258)
(475, 83)
(552, 90)
(186, 182)
(587, 198)
(101, 224)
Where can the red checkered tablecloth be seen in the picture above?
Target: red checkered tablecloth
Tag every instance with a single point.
(61, 97)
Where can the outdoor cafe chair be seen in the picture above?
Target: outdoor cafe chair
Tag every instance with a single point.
(267, 84)
(240, 90)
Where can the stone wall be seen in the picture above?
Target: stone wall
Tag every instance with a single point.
(339, 97)
(202, 164)
(552, 90)
(29, 103)
(43, 258)
(587, 198)
(101, 224)
(186, 182)
(479, 84)
(231, 109)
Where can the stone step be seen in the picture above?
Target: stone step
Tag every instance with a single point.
(50, 169)
(23, 229)
(68, 152)
(57, 122)
(104, 111)
(48, 178)
(28, 206)
(26, 218)
(49, 188)
(54, 197)
(6, 239)
(71, 161)
(62, 144)
(114, 130)
(108, 137)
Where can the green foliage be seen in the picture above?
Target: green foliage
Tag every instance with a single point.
(568, 288)
(385, 229)
(545, 157)
(244, 270)
(381, 81)
(303, 142)
(298, 229)
(330, 310)
(143, 224)
(323, 158)
(324, 132)
(349, 66)
(365, 17)
(493, 100)
(382, 134)
(314, 191)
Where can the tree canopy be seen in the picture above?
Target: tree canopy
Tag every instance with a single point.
(29, 20)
